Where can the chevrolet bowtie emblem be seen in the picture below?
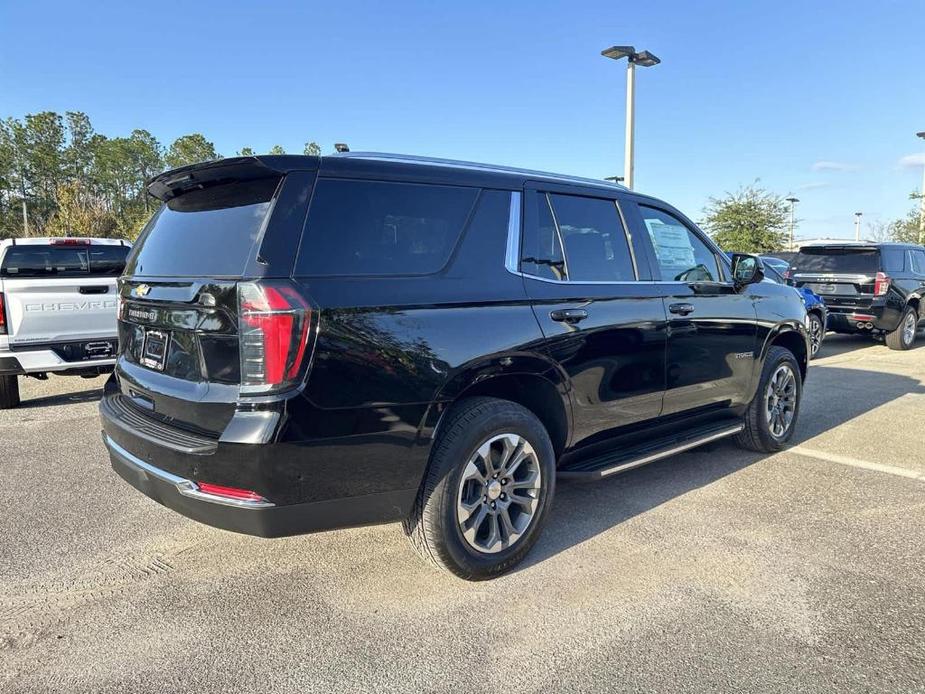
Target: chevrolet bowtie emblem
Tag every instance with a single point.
(142, 290)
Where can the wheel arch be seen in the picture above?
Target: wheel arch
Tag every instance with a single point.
(792, 338)
(529, 380)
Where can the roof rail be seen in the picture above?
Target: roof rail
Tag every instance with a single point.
(474, 166)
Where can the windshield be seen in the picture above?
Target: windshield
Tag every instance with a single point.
(837, 260)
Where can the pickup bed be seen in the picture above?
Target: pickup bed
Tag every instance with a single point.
(58, 304)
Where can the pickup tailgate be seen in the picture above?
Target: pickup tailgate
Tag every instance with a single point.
(61, 290)
(59, 310)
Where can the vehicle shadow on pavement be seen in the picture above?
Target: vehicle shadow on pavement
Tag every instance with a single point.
(77, 396)
(582, 510)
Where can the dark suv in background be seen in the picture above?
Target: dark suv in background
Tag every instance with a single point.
(875, 288)
(312, 343)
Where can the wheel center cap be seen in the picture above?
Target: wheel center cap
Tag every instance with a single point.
(494, 489)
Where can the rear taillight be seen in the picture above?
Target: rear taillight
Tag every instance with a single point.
(274, 327)
(881, 284)
(2, 315)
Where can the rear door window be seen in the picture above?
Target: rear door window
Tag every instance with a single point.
(205, 233)
(382, 228)
(596, 249)
(682, 255)
(837, 260)
(541, 252)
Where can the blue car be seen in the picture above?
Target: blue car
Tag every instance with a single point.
(815, 306)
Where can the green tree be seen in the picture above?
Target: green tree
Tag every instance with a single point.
(751, 220)
(14, 147)
(246, 152)
(78, 155)
(277, 149)
(312, 149)
(905, 229)
(79, 214)
(190, 149)
(45, 136)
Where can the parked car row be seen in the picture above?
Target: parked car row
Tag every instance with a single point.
(308, 343)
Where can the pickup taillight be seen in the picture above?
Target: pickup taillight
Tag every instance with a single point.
(274, 325)
(2, 315)
(882, 284)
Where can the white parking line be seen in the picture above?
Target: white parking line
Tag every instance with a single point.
(854, 462)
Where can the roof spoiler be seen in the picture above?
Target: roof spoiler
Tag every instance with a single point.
(170, 184)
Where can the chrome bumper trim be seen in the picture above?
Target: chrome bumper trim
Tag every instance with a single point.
(184, 486)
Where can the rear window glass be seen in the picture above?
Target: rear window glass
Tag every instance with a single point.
(837, 260)
(30, 260)
(379, 228)
(207, 233)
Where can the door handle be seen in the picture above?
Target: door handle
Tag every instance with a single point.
(99, 289)
(681, 309)
(568, 315)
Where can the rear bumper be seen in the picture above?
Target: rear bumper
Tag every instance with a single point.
(251, 518)
(25, 360)
(142, 462)
(880, 318)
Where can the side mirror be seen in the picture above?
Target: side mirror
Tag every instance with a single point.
(746, 269)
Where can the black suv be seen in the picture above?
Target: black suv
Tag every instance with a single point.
(313, 343)
(867, 287)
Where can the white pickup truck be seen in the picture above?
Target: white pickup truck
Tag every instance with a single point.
(58, 303)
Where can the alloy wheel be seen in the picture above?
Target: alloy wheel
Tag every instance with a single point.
(815, 334)
(909, 326)
(780, 400)
(499, 492)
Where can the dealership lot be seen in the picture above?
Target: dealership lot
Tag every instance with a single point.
(718, 568)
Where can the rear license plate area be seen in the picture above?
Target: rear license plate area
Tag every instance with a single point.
(154, 350)
(833, 288)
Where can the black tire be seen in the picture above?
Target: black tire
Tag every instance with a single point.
(433, 526)
(816, 327)
(757, 435)
(9, 392)
(900, 339)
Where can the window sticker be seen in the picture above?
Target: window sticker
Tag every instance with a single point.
(672, 244)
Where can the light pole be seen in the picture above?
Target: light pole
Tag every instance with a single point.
(857, 226)
(922, 199)
(792, 202)
(643, 59)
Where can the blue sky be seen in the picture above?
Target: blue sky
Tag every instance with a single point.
(819, 99)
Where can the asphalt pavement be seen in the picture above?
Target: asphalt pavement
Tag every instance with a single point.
(717, 569)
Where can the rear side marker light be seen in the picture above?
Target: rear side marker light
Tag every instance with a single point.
(229, 492)
(881, 284)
